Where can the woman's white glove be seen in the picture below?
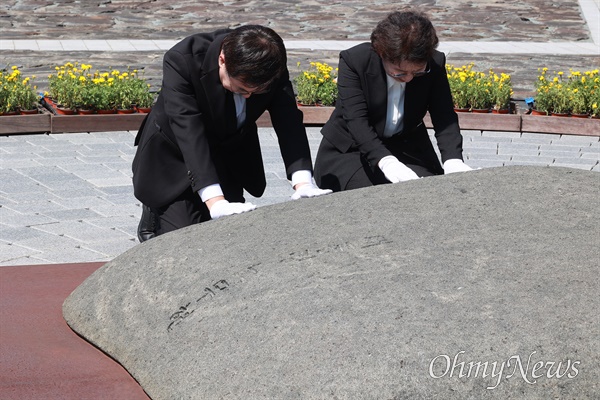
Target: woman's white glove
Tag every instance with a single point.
(309, 190)
(223, 208)
(455, 165)
(395, 171)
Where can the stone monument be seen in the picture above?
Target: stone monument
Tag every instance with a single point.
(468, 286)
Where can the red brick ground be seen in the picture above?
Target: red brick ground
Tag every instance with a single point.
(40, 356)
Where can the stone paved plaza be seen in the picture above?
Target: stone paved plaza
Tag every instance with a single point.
(68, 197)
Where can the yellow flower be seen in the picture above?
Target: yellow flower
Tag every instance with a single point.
(317, 84)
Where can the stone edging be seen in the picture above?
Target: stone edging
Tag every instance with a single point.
(46, 122)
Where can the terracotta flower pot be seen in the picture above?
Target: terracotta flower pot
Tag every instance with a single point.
(537, 112)
(33, 111)
(125, 111)
(107, 111)
(585, 115)
(82, 111)
(143, 110)
(65, 111)
(8, 113)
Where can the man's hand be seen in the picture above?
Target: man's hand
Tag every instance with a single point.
(455, 165)
(222, 208)
(395, 171)
(304, 190)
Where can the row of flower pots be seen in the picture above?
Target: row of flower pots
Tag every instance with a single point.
(75, 85)
(50, 122)
(558, 93)
(49, 103)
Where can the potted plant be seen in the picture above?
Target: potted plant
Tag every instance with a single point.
(479, 92)
(17, 95)
(459, 79)
(579, 102)
(142, 97)
(582, 86)
(316, 85)
(64, 85)
(27, 99)
(543, 99)
(8, 103)
(595, 102)
(501, 90)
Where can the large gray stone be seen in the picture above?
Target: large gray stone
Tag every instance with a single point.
(378, 293)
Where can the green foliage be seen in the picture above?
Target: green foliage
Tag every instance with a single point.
(16, 93)
(574, 93)
(75, 86)
(317, 85)
(475, 89)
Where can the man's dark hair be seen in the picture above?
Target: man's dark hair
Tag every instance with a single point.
(255, 55)
(405, 36)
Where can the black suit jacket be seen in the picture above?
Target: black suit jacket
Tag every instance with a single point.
(358, 121)
(190, 138)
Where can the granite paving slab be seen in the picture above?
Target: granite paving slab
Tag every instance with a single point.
(533, 20)
(516, 21)
(523, 69)
(467, 286)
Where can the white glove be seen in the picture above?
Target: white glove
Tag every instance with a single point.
(395, 171)
(309, 190)
(223, 208)
(455, 165)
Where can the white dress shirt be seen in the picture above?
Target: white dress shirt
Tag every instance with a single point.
(395, 107)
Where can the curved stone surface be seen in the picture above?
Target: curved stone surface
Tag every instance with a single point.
(469, 286)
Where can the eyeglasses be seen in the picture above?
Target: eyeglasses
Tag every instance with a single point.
(413, 74)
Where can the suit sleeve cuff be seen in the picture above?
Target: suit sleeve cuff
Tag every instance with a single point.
(209, 192)
(302, 176)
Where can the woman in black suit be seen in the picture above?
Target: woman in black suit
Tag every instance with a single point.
(376, 133)
(198, 149)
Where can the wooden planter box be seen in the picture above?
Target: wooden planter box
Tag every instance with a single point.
(96, 122)
(46, 121)
(36, 123)
(317, 115)
(484, 122)
(561, 125)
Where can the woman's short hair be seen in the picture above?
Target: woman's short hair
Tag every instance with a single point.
(405, 36)
(255, 55)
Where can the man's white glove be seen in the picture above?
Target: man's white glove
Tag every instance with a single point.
(223, 208)
(395, 171)
(455, 165)
(309, 190)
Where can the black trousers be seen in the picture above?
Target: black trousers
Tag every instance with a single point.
(188, 209)
(366, 176)
(340, 171)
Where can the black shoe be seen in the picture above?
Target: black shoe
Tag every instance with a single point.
(148, 224)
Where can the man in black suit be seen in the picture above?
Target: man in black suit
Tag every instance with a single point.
(198, 149)
(376, 133)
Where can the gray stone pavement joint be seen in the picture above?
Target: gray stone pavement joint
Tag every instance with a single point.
(63, 212)
(68, 197)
